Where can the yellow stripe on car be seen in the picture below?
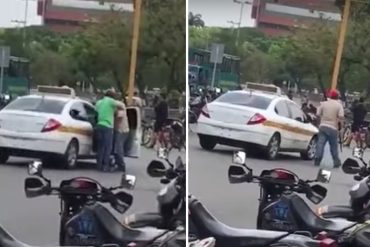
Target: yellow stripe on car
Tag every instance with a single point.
(289, 128)
(76, 130)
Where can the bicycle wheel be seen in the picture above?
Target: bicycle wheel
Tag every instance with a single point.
(146, 135)
(346, 134)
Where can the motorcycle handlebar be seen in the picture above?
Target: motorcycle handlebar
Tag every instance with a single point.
(300, 187)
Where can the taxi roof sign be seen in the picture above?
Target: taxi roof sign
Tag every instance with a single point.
(61, 91)
(268, 88)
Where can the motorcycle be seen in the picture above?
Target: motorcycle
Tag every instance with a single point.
(84, 221)
(280, 207)
(171, 199)
(358, 209)
(203, 224)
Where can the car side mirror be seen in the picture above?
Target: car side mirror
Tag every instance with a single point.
(156, 169)
(35, 169)
(317, 194)
(358, 153)
(299, 119)
(162, 153)
(34, 187)
(74, 113)
(239, 157)
(351, 166)
(323, 176)
(237, 174)
(128, 182)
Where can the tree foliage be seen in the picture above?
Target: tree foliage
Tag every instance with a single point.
(100, 52)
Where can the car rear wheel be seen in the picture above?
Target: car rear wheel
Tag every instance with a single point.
(4, 156)
(69, 160)
(272, 149)
(310, 152)
(207, 142)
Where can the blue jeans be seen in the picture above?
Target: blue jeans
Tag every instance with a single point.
(104, 145)
(327, 134)
(120, 140)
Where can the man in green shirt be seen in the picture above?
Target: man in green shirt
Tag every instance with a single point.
(106, 108)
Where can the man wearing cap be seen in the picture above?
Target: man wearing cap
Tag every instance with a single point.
(331, 113)
(106, 108)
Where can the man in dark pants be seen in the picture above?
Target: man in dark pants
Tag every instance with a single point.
(331, 113)
(106, 108)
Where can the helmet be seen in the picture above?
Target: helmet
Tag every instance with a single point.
(333, 94)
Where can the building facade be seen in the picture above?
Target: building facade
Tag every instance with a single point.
(277, 17)
(70, 15)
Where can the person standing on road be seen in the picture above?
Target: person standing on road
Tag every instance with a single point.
(106, 108)
(121, 132)
(359, 113)
(331, 114)
(161, 116)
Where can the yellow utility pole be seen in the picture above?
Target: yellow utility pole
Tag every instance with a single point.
(342, 37)
(134, 47)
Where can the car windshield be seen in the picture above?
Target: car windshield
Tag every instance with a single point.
(245, 99)
(43, 105)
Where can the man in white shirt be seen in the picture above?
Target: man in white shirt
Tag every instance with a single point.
(331, 113)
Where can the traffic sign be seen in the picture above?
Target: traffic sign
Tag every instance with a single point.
(217, 53)
(4, 56)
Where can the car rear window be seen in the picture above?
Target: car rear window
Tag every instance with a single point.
(43, 105)
(245, 99)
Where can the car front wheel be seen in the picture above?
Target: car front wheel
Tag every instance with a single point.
(310, 152)
(207, 142)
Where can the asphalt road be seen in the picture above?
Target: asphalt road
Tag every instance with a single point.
(35, 221)
(236, 204)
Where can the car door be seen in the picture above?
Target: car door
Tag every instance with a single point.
(301, 135)
(282, 121)
(80, 127)
(91, 118)
(133, 144)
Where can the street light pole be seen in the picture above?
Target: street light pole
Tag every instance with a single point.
(242, 3)
(341, 40)
(134, 48)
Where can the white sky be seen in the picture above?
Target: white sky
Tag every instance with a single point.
(219, 12)
(11, 10)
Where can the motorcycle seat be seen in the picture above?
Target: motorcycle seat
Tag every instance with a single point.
(143, 220)
(208, 226)
(338, 211)
(313, 223)
(122, 232)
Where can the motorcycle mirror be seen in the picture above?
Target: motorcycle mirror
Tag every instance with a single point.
(128, 181)
(34, 187)
(156, 169)
(239, 157)
(317, 193)
(358, 153)
(237, 174)
(162, 153)
(123, 202)
(323, 176)
(351, 166)
(35, 168)
(179, 164)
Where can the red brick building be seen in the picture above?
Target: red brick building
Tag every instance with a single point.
(69, 15)
(276, 17)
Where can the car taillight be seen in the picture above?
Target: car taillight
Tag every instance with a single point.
(51, 125)
(205, 111)
(256, 119)
(328, 242)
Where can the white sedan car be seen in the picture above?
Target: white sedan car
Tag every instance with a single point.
(56, 129)
(257, 121)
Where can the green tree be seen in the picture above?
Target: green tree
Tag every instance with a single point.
(195, 20)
